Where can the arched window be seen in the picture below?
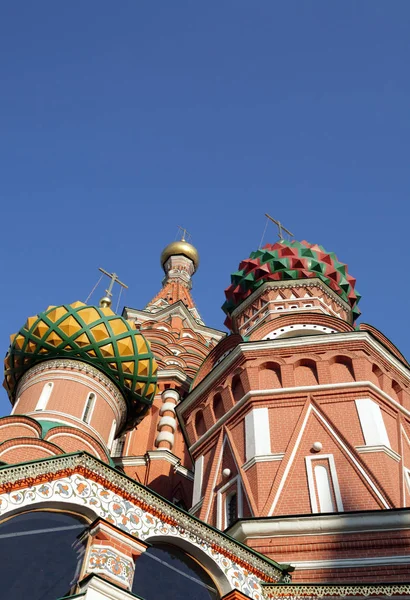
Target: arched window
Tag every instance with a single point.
(231, 508)
(200, 423)
(44, 554)
(165, 567)
(88, 408)
(44, 396)
(237, 388)
(218, 406)
(324, 489)
(377, 375)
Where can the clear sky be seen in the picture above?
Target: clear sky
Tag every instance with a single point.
(121, 120)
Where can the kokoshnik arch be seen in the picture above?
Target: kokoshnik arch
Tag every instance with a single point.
(148, 455)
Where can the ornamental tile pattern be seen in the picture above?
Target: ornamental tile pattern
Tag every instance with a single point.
(82, 480)
(115, 565)
(305, 592)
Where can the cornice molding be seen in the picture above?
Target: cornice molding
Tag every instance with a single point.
(321, 524)
(379, 448)
(289, 343)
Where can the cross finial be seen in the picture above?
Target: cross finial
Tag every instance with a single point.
(281, 228)
(186, 236)
(106, 300)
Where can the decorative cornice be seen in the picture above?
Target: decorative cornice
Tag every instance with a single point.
(262, 458)
(318, 525)
(290, 343)
(380, 448)
(25, 475)
(292, 283)
(315, 590)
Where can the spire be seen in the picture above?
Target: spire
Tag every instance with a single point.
(105, 301)
(180, 260)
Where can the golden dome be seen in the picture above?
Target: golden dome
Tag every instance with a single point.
(180, 247)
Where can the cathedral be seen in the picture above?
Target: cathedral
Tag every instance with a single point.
(148, 455)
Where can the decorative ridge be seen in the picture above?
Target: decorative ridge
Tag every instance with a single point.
(318, 590)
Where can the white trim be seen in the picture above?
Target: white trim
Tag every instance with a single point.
(167, 406)
(97, 588)
(353, 459)
(279, 332)
(198, 480)
(77, 437)
(95, 433)
(290, 461)
(334, 481)
(221, 516)
(346, 563)
(291, 390)
(379, 448)
(321, 524)
(18, 446)
(165, 436)
(111, 437)
(218, 467)
(196, 507)
(21, 424)
(257, 433)
(372, 422)
(262, 458)
(158, 454)
(169, 421)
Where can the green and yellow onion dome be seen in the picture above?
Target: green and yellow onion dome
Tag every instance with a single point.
(287, 260)
(93, 335)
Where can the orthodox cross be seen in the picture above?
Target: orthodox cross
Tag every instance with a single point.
(114, 279)
(281, 227)
(185, 234)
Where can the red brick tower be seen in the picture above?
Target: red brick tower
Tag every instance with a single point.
(155, 453)
(299, 422)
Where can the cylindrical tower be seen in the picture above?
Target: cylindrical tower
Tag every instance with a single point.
(81, 373)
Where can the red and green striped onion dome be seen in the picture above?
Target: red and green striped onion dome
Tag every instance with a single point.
(90, 334)
(287, 260)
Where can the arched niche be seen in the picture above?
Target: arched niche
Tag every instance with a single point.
(237, 388)
(217, 406)
(270, 376)
(305, 372)
(341, 369)
(200, 426)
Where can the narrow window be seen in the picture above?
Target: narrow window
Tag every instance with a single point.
(324, 489)
(231, 508)
(44, 396)
(118, 446)
(112, 434)
(89, 405)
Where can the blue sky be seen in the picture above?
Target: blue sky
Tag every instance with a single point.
(120, 121)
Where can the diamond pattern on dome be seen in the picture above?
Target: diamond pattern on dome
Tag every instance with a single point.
(287, 260)
(89, 334)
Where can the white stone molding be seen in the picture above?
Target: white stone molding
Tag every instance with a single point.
(262, 458)
(379, 448)
(165, 436)
(169, 421)
(313, 484)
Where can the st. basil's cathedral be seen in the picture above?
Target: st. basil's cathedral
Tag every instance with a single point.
(150, 456)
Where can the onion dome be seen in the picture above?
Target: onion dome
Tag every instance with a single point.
(183, 248)
(287, 260)
(95, 335)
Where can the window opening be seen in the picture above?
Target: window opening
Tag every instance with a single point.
(89, 405)
(44, 396)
